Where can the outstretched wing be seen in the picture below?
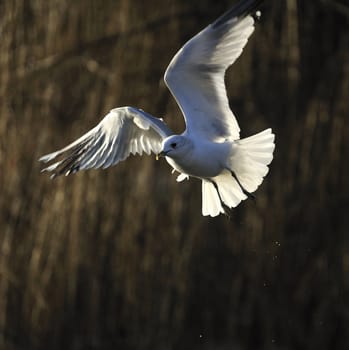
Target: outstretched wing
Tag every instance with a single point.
(195, 75)
(122, 132)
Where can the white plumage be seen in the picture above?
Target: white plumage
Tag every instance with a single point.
(210, 148)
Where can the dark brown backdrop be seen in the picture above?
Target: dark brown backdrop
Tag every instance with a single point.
(123, 259)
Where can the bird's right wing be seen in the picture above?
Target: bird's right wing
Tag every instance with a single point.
(123, 131)
(195, 75)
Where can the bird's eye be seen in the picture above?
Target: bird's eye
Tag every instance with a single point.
(173, 145)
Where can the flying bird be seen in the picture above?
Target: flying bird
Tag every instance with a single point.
(210, 148)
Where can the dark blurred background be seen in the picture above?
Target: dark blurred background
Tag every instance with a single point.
(122, 258)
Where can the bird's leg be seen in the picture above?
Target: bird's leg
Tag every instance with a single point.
(227, 210)
(248, 194)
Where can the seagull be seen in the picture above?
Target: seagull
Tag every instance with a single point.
(210, 148)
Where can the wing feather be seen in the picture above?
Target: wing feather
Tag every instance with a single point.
(123, 131)
(195, 75)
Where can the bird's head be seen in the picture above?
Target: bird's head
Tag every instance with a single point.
(175, 146)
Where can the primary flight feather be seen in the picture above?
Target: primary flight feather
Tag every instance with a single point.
(210, 148)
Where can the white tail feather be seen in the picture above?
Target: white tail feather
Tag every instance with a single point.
(211, 204)
(249, 162)
(251, 157)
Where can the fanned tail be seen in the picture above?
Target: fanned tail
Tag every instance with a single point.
(245, 170)
(251, 157)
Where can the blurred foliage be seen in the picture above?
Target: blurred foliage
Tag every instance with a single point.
(123, 259)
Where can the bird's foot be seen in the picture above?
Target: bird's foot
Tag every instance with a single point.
(248, 194)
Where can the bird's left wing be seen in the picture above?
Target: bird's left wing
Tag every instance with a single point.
(195, 75)
(123, 131)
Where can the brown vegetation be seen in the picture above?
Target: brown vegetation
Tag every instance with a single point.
(123, 259)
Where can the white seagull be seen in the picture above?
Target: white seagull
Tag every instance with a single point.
(210, 148)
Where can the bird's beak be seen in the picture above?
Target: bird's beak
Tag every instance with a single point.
(161, 154)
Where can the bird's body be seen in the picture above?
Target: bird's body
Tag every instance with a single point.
(201, 159)
(210, 148)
